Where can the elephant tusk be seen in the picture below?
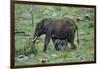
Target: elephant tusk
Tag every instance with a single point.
(34, 38)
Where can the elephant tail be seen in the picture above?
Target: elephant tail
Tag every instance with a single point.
(77, 35)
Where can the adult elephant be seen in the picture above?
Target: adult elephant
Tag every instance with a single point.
(63, 28)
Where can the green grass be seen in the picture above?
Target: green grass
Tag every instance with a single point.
(34, 53)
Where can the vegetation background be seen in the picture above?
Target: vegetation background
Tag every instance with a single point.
(26, 18)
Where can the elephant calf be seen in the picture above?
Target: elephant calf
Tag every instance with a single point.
(60, 44)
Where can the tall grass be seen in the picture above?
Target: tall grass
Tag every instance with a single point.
(25, 46)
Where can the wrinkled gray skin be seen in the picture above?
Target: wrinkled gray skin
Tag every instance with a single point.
(56, 29)
(60, 44)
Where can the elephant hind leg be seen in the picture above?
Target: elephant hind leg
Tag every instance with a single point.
(71, 41)
(73, 46)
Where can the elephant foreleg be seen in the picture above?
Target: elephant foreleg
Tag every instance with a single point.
(47, 40)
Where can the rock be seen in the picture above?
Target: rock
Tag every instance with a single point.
(43, 61)
(81, 33)
(22, 58)
(53, 55)
(31, 55)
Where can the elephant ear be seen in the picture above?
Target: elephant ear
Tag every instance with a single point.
(46, 22)
(40, 25)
